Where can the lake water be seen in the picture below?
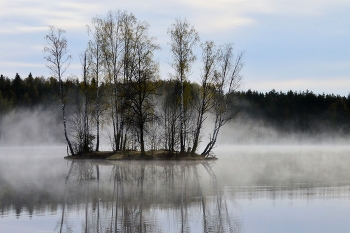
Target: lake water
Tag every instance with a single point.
(248, 189)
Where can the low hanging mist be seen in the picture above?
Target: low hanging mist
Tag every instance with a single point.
(42, 126)
(31, 127)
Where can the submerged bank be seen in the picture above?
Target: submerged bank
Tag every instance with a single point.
(136, 155)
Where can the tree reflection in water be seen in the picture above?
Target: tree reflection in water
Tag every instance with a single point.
(142, 196)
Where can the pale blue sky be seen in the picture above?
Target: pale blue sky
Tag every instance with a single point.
(289, 44)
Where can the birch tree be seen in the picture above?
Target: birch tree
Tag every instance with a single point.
(112, 52)
(129, 26)
(58, 61)
(86, 146)
(227, 80)
(210, 56)
(140, 85)
(183, 40)
(96, 60)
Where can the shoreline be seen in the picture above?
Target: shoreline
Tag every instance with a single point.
(135, 155)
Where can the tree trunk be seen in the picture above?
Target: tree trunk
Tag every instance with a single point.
(97, 117)
(196, 135)
(124, 144)
(142, 142)
(65, 128)
(85, 146)
(97, 100)
(182, 140)
(117, 142)
(97, 131)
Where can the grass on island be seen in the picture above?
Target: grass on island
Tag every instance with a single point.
(136, 155)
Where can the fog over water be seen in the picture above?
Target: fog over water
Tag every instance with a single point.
(43, 126)
(245, 131)
(32, 127)
(263, 181)
(249, 189)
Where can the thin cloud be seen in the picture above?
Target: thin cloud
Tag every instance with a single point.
(21, 64)
(14, 49)
(20, 29)
(207, 15)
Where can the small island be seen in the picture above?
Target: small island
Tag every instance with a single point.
(122, 99)
(136, 155)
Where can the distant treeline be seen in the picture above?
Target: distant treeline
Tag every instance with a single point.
(297, 112)
(27, 92)
(292, 112)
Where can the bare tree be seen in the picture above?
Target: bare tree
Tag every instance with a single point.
(183, 39)
(112, 55)
(129, 26)
(209, 59)
(226, 81)
(96, 61)
(86, 145)
(58, 61)
(140, 85)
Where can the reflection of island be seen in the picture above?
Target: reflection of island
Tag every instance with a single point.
(109, 196)
(146, 197)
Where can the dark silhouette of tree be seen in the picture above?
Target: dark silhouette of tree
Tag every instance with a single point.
(17, 88)
(140, 86)
(227, 80)
(210, 56)
(183, 40)
(95, 48)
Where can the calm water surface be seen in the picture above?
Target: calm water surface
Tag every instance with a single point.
(249, 189)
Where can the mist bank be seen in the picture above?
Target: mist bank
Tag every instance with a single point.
(289, 118)
(39, 126)
(30, 115)
(248, 170)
